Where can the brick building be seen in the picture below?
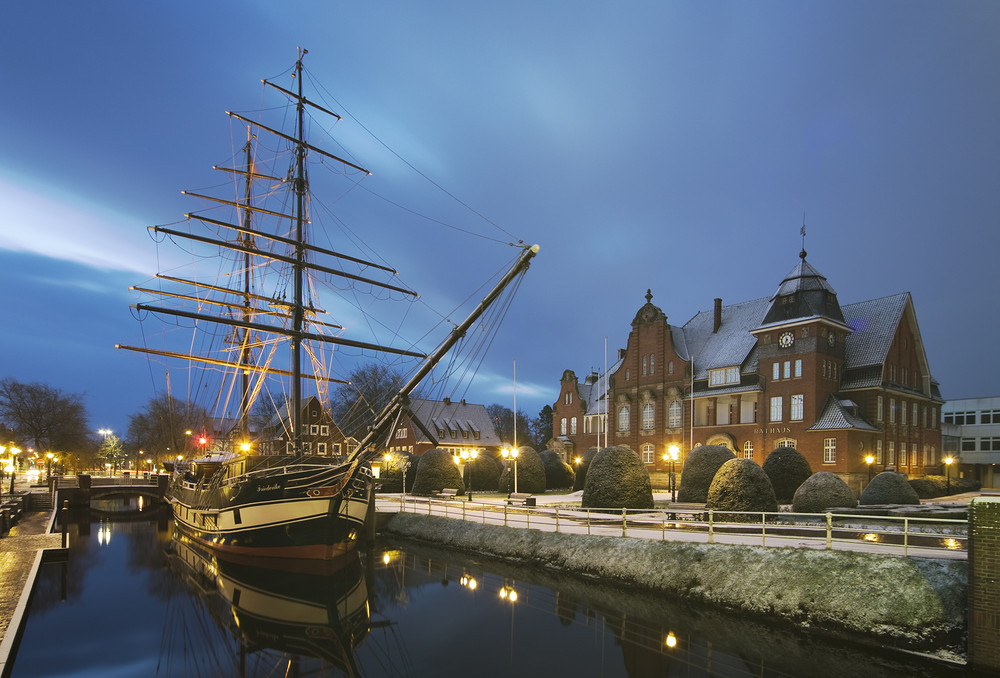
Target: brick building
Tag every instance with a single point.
(320, 434)
(427, 424)
(838, 383)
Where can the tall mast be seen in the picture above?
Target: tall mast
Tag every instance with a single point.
(300, 191)
(247, 240)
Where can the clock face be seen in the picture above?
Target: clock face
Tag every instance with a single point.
(786, 339)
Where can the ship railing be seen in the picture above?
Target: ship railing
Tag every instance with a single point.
(915, 536)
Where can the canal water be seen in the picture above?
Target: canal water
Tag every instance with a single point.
(137, 599)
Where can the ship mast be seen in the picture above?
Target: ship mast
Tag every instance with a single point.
(299, 267)
(247, 240)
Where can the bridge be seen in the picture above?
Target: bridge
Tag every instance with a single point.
(80, 490)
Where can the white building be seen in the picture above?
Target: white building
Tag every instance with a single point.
(978, 436)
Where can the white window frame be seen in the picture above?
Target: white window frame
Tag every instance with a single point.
(624, 416)
(572, 426)
(675, 414)
(776, 408)
(829, 450)
(648, 452)
(798, 407)
(748, 450)
(648, 416)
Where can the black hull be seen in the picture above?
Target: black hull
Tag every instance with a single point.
(308, 512)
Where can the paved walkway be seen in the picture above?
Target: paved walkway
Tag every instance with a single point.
(19, 554)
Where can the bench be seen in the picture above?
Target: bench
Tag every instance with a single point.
(446, 493)
(521, 498)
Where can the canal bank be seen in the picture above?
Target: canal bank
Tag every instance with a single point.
(912, 604)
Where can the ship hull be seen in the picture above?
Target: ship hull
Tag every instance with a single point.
(314, 513)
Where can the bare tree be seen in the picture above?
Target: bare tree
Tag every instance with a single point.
(503, 421)
(161, 426)
(44, 416)
(356, 404)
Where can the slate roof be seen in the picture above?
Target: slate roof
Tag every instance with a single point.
(596, 391)
(454, 416)
(804, 293)
(731, 345)
(873, 325)
(841, 414)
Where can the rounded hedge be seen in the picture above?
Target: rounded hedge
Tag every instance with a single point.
(483, 473)
(581, 468)
(558, 474)
(699, 470)
(530, 473)
(889, 487)
(436, 470)
(787, 469)
(617, 478)
(741, 485)
(822, 491)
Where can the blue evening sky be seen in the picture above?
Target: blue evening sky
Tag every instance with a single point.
(665, 145)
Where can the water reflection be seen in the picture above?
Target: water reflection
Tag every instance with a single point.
(140, 600)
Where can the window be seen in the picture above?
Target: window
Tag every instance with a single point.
(989, 444)
(307, 447)
(788, 370)
(647, 416)
(968, 444)
(878, 452)
(892, 453)
(776, 408)
(674, 415)
(401, 433)
(798, 368)
(798, 401)
(723, 376)
(748, 450)
(776, 371)
(670, 367)
(644, 359)
(324, 430)
(647, 454)
(569, 398)
(623, 418)
(892, 411)
(960, 418)
(902, 455)
(572, 426)
(916, 411)
(989, 417)
(829, 450)
(562, 426)
(785, 442)
(321, 448)
(628, 374)
(879, 411)
(902, 413)
(652, 363)
(314, 430)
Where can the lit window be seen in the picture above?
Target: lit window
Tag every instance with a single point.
(748, 450)
(647, 454)
(798, 368)
(776, 408)
(674, 415)
(797, 406)
(647, 416)
(313, 429)
(902, 454)
(786, 442)
(892, 453)
(572, 426)
(829, 450)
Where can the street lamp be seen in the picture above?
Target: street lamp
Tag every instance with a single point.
(511, 454)
(48, 466)
(948, 462)
(869, 460)
(468, 456)
(671, 455)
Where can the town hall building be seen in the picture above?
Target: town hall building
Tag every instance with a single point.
(841, 384)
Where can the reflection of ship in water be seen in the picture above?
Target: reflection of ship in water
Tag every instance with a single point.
(279, 617)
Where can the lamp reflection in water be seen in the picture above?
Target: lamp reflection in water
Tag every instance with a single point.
(509, 594)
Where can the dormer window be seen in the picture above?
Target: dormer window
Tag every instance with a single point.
(724, 376)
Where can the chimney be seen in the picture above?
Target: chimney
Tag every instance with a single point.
(447, 401)
(718, 315)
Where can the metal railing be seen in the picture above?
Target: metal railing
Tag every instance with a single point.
(899, 535)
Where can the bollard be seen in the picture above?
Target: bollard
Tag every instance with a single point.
(64, 518)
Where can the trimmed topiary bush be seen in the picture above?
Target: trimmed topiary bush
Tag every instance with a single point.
(530, 473)
(436, 470)
(699, 470)
(617, 478)
(822, 491)
(581, 468)
(929, 487)
(484, 473)
(390, 476)
(741, 485)
(558, 474)
(889, 487)
(787, 469)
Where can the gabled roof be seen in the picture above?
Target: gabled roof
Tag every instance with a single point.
(841, 414)
(445, 415)
(597, 390)
(732, 345)
(873, 326)
(281, 415)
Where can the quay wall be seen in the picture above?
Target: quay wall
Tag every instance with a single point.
(908, 603)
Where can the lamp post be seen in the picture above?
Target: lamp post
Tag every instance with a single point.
(869, 460)
(671, 455)
(948, 462)
(511, 454)
(48, 465)
(468, 456)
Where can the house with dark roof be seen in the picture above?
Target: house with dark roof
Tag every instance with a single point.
(320, 434)
(841, 384)
(427, 424)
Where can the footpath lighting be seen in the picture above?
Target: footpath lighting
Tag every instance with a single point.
(510, 453)
(671, 640)
(48, 465)
(869, 460)
(672, 454)
(468, 456)
(948, 462)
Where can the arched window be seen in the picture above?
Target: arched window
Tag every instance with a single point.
(748, 450)
(562, 426)
(670, 367)
(786, 442)
(648, 416)
(572, 426)
(647, 454)
(674, 415)
(623, 418)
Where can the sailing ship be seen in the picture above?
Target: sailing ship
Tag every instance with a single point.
(292, 504)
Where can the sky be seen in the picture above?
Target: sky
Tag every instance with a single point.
(671, 146)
